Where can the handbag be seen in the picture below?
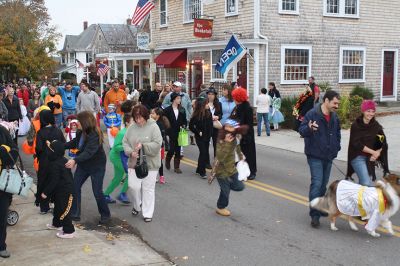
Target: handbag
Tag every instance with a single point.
(141, 168)
(15, 181)
(183, 138)
(217, 124)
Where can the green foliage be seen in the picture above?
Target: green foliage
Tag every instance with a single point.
(27, 40)
(287, 109)
(363, 92)
(349, 110)
(325, 86)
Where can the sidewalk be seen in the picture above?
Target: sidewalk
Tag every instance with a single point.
(31, 244)
(290, 140)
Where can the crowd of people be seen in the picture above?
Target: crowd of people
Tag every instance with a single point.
(143, 130)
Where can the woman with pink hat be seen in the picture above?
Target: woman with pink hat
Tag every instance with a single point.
(367, 145)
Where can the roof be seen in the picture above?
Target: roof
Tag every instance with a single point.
(114, 35)
(119, 34)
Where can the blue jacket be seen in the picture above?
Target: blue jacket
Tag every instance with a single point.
(325, 142)
(112, 120)
(69, 97)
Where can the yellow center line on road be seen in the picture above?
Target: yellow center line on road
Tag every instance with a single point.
(282, 193)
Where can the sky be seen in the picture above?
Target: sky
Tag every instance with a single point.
(68, 15)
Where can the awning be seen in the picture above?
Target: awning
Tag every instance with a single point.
(172, 59)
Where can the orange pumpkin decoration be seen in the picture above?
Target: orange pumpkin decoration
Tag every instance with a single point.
(27, 149)
(114, 131)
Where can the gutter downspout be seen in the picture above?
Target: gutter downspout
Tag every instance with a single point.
(257, 34)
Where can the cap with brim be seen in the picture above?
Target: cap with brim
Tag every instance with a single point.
(177, 84)
(212, 90)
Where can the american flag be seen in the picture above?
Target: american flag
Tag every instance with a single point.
(102, 69)
(79, 64)
(142, 9)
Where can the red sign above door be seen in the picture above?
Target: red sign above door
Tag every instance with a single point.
(202, 28)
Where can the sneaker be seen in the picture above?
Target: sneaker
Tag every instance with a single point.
(105, 220)
(110, 200)
(268, 134)
(178, 171)
(5, 254)
(223, 212)
(208, 166)
(52, 227)
(203, 176)
(123, 198)
(315, 222)
(162, 180)
(64, 235)
(43, 212)
(251, 177)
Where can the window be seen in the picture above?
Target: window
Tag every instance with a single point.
(72, 58)
(231, 7)
(163, 13)
(352, 64)
(341, 8)
(295, 64)
(289, 7)
(215, 56)
(89, 57)
(63, 58)
(192, 9)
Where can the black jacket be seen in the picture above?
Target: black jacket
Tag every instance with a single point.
(243, 113)
(60, 178)
(7, 142)
(14, 110)
(176, 124)
(49, 133)
(204, 125)
(90, 151)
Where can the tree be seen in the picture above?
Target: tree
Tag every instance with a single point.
(27, 39)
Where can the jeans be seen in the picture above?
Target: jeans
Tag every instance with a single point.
(58, 119)
(226, 185)
(96, 175)
(359, 165)
(320, 172)
(260, 117)
(66, 113)
(204, 157)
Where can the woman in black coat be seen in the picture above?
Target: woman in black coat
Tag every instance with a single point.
(243, 113)
(201, 125)
(91, 161)
(215, 108)
(7, 148)
(14, 110)
(176, 116)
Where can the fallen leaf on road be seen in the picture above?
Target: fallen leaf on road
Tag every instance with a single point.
(110, 237)
(278, 221)
(87, 249)
(185, 258)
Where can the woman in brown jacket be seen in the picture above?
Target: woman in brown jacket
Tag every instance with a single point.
(367, 145)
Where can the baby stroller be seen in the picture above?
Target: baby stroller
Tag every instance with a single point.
(12, 217)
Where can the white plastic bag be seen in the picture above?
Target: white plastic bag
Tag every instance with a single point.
(243, 170)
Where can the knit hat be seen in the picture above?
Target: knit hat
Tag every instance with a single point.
(239, 95)
(46, 118)
(111, 107)
(368, 105)
(174, 95)
(212, 90)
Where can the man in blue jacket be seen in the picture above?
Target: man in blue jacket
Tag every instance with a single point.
(68, 94)
(321, 131)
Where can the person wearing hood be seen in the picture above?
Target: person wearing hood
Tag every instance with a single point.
(60, 188)
(143, 138)
(48, 132)
(367, 145)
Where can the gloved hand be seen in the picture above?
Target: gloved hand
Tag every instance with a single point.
(51, 105)
(57, 105)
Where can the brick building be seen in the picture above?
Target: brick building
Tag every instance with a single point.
(343, 42)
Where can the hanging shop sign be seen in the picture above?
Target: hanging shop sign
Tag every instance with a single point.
(202, 28)
(143, 40)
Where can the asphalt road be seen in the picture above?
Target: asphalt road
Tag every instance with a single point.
(269, 223)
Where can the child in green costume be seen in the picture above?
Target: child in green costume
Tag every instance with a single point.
(120, 171)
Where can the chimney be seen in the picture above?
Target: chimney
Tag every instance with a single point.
(128, 21)
(85, 25)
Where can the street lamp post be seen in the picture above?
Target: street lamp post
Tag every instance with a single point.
(153, 69)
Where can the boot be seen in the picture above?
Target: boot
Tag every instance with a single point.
(177, 162)
(168, 162)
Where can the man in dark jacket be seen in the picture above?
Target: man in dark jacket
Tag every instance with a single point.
(321, 131)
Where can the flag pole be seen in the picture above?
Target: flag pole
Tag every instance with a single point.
(101, 85)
